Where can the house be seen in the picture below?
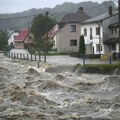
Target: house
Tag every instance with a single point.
(24, 39)
(11, 36)
(96, 30)
(112, 40)
(52, 35)
(67, 37)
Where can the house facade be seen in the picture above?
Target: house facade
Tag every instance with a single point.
(68, 38)
(68, 35)
(96, 30)
(93, 37)
(24, 39)
(112, 42)
(111, 34)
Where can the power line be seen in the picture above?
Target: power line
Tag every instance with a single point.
(19, 17)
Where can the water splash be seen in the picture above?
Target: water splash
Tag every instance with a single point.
(29, 93)
(116, 70)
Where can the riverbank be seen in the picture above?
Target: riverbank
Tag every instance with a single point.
(103, 69)
(63, 63)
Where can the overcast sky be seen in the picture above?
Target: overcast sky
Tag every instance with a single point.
(11, 6)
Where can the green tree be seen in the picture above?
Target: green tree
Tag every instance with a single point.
(3, 40)
(41, 24)
(82, 45)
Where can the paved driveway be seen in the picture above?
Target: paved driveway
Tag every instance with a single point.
(72, 60)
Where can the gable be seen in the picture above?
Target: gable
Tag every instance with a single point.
(77, 17)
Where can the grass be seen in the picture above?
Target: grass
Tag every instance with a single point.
(56, 53)
(102, 66)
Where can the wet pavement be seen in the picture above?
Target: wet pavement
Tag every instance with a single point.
(63, 59)
(72, 60)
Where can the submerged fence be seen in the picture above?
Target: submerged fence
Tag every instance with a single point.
(23, 56)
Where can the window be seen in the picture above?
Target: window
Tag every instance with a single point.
(114, 47)
(73, 28)
(90, 33)
(116, 31)
(85, 32)
(101, 47)
(97, 47)
(97, 31)
(112, 31)
(73, 42)
(11, 43)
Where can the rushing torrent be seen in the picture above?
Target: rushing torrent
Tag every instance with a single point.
(57, 93)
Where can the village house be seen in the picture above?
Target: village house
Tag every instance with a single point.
(111, 34)
(112, 39)
(24, 39)
(52, 35)
(97, 33)
(68, 31)
(11, 36)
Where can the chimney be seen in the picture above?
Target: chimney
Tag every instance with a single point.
(80, 9)
(110, 10)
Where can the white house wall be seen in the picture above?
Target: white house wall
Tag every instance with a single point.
(64, 36)
(117, 47)
(95, 37)
(11, 38)
(55, 41)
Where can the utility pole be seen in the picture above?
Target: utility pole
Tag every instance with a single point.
(119, 22)
(28, 34)
(46, 39)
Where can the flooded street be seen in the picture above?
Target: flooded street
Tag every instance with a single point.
(55, 92)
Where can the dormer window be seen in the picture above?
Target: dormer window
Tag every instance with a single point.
(72, 28)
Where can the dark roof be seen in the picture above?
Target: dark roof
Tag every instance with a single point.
(99, 17)
(22, 35)
(77, 17)
(10, 32)
(111, 40)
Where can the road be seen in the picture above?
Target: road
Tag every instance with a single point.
(61, 59)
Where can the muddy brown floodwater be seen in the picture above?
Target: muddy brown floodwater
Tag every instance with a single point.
(60, 93)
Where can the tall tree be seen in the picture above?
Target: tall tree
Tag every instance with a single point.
(82, 45)
(41, 24)
(3, 40)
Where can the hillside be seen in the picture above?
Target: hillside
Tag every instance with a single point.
(91, 8)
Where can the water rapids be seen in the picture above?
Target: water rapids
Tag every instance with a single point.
(57, 93)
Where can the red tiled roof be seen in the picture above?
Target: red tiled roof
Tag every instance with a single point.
(22, 35)
(53, 32)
